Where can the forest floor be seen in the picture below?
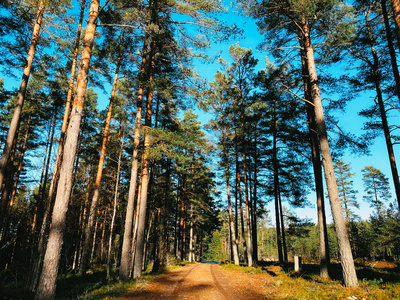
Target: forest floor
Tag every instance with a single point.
(269, 280)
(212, 281)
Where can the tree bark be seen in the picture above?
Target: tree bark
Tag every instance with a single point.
(137, 270)
(116, 196)
(13, 129)
(276, 188)
(254, 218)
(376, 78)
(248, 227)
(127, 239)
(19, 169)
(234, 241)
(56, 170)
(47, 284)
(96, 192)
(324, 255)
(391, 50)
(349, 272)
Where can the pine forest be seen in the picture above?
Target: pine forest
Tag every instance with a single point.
(139, 136)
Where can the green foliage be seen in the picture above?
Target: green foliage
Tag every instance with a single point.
(376, 187)
(345, 188)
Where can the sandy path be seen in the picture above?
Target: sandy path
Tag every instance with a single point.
(199, 281)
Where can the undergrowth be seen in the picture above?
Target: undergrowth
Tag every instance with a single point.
(284, 283)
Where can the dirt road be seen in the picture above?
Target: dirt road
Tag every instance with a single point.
(198, 282)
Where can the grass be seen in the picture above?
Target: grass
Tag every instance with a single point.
(375, 283)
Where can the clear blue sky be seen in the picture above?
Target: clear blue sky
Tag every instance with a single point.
(349, 120)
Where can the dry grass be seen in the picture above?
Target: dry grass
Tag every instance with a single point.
(378, 280)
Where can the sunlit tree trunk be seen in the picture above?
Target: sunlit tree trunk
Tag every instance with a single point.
(64, 125)
(375, 68)
(254, 219)
(234, 243)
(47, 283)
(96, 192)
(14, 124)
(276, 187)
(349, 272)
(139, 254)
(392, 52)
(127, 239)
(324, 255)
(54, 179)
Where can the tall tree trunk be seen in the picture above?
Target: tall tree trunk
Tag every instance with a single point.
(284, 247)
(243, 237)
(254, 231)
(376, 78)
(276, 188)
(181, 247)
(234, 241)
(349, 272)
(248, 224)
(116, 196)
(96, 192)
(231, 222)
(127, 239)
(64, 125)
(137, 271)
(54, 179)
(13, 129)
(191, 249)
(6, 214)
(324, 255)
(47, 284)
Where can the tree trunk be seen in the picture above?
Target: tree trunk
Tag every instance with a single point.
(234, 241)
(21, 162)
(137, 271)
(254, 218)
(116, 196)
(13, 129)
(47, 284)
(56, 170)
(276, 190)
(324, 255)
(349, 272)
(376, 78)
(391, 51)
(181, 247)
(284, 247)
(248, 227)
(96, 192)
(127, 239)
(191, 249)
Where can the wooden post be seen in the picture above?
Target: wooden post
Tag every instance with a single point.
(297, 263)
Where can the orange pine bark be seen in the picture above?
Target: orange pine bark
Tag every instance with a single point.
(13, 129)
(47, 283)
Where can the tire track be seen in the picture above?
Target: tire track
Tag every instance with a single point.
(217, 284)
(180, 281)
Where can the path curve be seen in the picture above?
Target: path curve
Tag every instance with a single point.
(200, 281)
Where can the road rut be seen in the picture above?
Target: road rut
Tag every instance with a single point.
(200, 281)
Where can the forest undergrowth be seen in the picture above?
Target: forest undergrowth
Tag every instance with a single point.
(378, 280)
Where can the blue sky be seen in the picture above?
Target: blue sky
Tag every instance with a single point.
(349, 120)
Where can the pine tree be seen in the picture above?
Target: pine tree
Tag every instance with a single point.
(346, 192)
(376, 187)
(301, 21)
